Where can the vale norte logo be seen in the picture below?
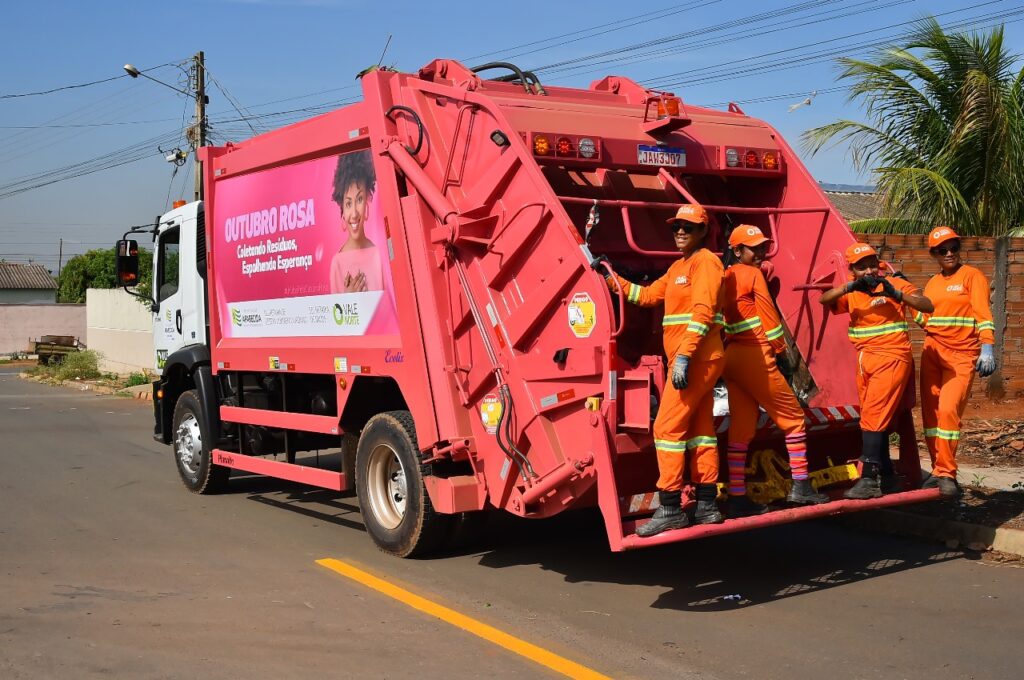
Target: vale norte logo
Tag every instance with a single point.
(346, 314)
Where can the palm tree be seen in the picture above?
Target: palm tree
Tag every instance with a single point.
(945, 132)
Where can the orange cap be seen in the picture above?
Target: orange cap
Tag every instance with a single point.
(747, 235)
(858, 251)
(940, 235)
(691, 212)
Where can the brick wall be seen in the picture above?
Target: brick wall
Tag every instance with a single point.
(910, 253)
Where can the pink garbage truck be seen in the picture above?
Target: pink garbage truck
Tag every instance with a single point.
(406, 283)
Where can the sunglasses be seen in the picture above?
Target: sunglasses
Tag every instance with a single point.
(946, 250)
(685, 227)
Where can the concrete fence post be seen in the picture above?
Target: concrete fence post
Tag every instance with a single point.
(1000, 281)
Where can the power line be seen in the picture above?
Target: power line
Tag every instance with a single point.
(75, 86)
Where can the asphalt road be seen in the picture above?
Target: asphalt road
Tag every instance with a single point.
(108, 567)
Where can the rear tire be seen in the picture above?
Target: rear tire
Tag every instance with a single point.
(191, 444)
(389, 483)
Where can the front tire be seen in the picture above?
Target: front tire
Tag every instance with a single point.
(193, 454)
(389, 483)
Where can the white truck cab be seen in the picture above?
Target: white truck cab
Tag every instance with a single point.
(179, 285)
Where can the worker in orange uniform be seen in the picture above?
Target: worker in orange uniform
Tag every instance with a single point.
(958, 342)
(878, 329)
(684, 431)
(754, 337)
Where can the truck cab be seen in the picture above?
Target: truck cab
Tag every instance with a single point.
(179, 282)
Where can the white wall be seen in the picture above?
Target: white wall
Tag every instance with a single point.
(120, 328)
(20, 324)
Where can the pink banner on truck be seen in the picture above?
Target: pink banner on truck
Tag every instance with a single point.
(301, 250)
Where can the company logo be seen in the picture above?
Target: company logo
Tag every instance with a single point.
(346, 314)
(753, 231)
(879, 301)
(394, 356)
(955, 288)
(161, 358)
(682, 280)
(239, 318)
(861, 249)
(167, 314)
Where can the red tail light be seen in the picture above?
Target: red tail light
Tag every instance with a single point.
(751, 159)
(564, 147)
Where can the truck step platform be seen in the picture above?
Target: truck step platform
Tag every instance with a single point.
(631, 541)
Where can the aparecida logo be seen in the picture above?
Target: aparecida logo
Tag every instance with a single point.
(240, 319)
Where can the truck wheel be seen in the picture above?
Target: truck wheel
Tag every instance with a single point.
(192, 453)
(389, 483)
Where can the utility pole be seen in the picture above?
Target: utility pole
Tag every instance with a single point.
(200, 139)
(60, 257)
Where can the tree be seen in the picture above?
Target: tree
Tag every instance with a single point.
(945, 132)
(98, 269)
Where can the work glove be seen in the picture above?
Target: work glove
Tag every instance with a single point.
(680, 371)
(889, 291)
(864, 284)
(986, 363)
(596, 263)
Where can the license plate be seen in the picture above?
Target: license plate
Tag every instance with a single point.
(667, 156)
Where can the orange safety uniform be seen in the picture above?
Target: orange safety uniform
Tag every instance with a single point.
(955, 331)
(754, 336)
(684, 427)
(879, 331)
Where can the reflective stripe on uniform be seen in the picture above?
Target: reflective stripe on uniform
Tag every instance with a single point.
(939, 433)
(634, 293)
(884, 329)
(745, 325)
(701, 441)
(919, 319)
(669, 446)
(959, 321)
(697, 327)
(986, 326)
(676, 319)
(774, 334)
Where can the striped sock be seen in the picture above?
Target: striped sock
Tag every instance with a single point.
(736, 456)
(796, 445)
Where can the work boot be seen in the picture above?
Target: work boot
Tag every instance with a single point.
(891, 483)
(742, 506)
(707, 511)
(865, 488)
(666, 517)
(802, 493)
(948, 488)
(930, 482)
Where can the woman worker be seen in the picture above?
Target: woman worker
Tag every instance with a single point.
(878, 330)
(958, 342)
(754, 337)
(684, 427)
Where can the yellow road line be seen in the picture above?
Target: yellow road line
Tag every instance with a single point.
(510, 642)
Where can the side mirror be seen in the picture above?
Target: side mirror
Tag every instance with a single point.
(127, 262)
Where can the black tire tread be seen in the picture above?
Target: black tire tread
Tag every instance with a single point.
(216, 478)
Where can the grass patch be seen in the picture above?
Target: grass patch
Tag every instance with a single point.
(136, 379)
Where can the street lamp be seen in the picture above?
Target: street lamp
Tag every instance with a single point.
(198, 82)
(135, 73)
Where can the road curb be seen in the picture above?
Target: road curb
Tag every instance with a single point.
(954, 534)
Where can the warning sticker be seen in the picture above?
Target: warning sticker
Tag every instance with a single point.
(582, 315)
(490, 413)
(341, 364)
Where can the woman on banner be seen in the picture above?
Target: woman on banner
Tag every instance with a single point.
(356, 267)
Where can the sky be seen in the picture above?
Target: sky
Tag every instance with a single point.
(279, 61)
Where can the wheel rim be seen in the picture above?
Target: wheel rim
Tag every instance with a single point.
(188, 442)
(386, 486)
